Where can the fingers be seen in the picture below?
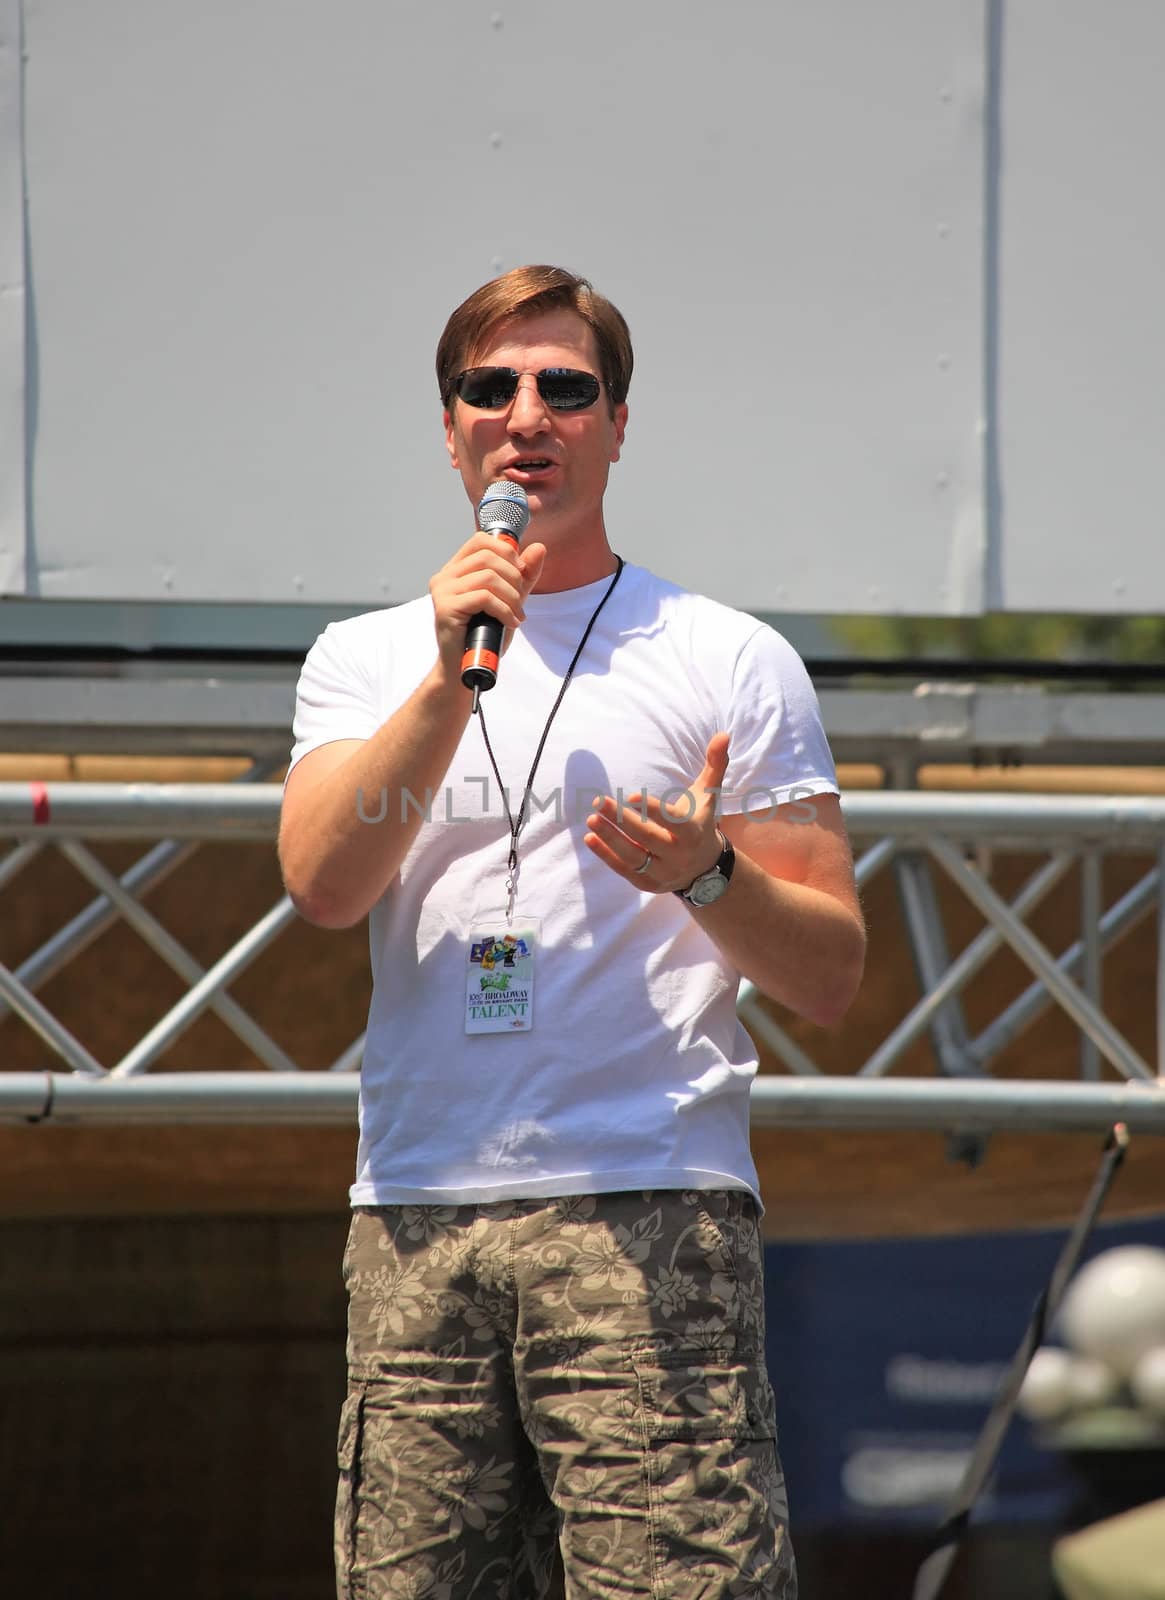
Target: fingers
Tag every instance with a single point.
(631, 858)
(531, 561)
(486, 574)
(638, 841)
(659, 845)
(715, 764)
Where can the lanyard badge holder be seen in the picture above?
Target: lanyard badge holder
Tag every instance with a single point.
(499, 980)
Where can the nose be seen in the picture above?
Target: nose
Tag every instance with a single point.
(528, 411)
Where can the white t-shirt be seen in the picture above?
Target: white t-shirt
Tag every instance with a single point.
(636, 1072)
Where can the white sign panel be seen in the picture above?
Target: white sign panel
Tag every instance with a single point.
(1081, 335)
(12, 310)
(248, 224)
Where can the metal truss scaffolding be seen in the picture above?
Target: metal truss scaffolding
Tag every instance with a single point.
(909, 833)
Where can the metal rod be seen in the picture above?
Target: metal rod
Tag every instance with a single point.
(928, 945)
(1090, 914)
(16, 860)
(351, 1059)
(934, 1571)
(1112, 1043)
(873, 860)
(1118, 822)
(769, 1031)
(80, 932)
(141, 810)
(58, 1038)
(979, 1105)
(163, 943)
(232, 810)
(777, 1101)
(183, 1097)
(179, 1017)
(1035, 999)
(962, 969)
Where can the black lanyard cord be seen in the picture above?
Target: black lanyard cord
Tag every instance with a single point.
(516, 827)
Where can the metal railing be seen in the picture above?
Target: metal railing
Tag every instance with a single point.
(911, 834)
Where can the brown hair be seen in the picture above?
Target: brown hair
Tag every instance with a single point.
(525, 292)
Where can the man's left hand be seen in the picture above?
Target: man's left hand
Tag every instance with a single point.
(659, 848)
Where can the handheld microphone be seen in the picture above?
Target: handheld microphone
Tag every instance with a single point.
(503, 511)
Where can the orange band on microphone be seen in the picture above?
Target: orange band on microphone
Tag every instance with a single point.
(480, 658)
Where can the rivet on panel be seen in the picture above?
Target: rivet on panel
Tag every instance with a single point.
(495, 139)
(496, 20)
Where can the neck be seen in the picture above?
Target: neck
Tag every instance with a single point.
(573, 567)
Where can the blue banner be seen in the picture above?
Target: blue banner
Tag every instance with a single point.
(886, 1355)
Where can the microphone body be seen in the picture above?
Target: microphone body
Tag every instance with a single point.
(503, 512)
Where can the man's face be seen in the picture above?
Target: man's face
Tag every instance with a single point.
(561, 458)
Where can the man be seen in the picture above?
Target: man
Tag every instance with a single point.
(556, 1329)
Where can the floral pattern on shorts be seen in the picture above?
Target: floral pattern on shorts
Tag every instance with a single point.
(563, 1397)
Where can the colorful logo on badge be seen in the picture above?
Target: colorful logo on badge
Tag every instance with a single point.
(491, 952)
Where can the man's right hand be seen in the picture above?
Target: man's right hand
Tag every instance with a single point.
(486, 574)
(335, 866)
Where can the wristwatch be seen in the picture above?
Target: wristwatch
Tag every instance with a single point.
(710, 885)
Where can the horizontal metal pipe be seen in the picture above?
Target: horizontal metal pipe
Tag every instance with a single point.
(140, 810)
(210, 810)
(978, 1106)
(181, 1097)
(330, 1097)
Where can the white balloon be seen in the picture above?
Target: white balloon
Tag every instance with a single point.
(1148, 1380)
(1046, 1391)
(1115, 1306)
(1091, 1382)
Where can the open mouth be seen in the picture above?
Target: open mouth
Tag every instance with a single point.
(531, 464)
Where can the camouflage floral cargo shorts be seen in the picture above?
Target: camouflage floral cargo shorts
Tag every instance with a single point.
(560, 1398)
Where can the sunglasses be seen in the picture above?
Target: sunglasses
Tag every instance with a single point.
(491, 388)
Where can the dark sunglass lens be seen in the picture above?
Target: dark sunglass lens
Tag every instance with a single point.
(567, 390)
(488, 388)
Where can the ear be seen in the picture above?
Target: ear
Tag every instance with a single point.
(450, 440)
(620, 426)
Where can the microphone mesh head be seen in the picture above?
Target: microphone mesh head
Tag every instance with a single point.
(504, 506)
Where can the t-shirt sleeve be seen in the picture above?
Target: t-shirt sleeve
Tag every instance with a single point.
(335, 697)
(778, 750)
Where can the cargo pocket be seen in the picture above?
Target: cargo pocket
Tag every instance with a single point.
(759, 1402)
(692, 1393)
(348, 1453)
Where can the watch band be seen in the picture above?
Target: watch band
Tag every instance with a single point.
(708, 886)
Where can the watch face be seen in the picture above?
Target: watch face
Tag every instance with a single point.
(708, 887)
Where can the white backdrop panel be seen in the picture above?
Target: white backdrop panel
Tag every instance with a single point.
(12, 308)
(249, 219)
(1082, 313)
